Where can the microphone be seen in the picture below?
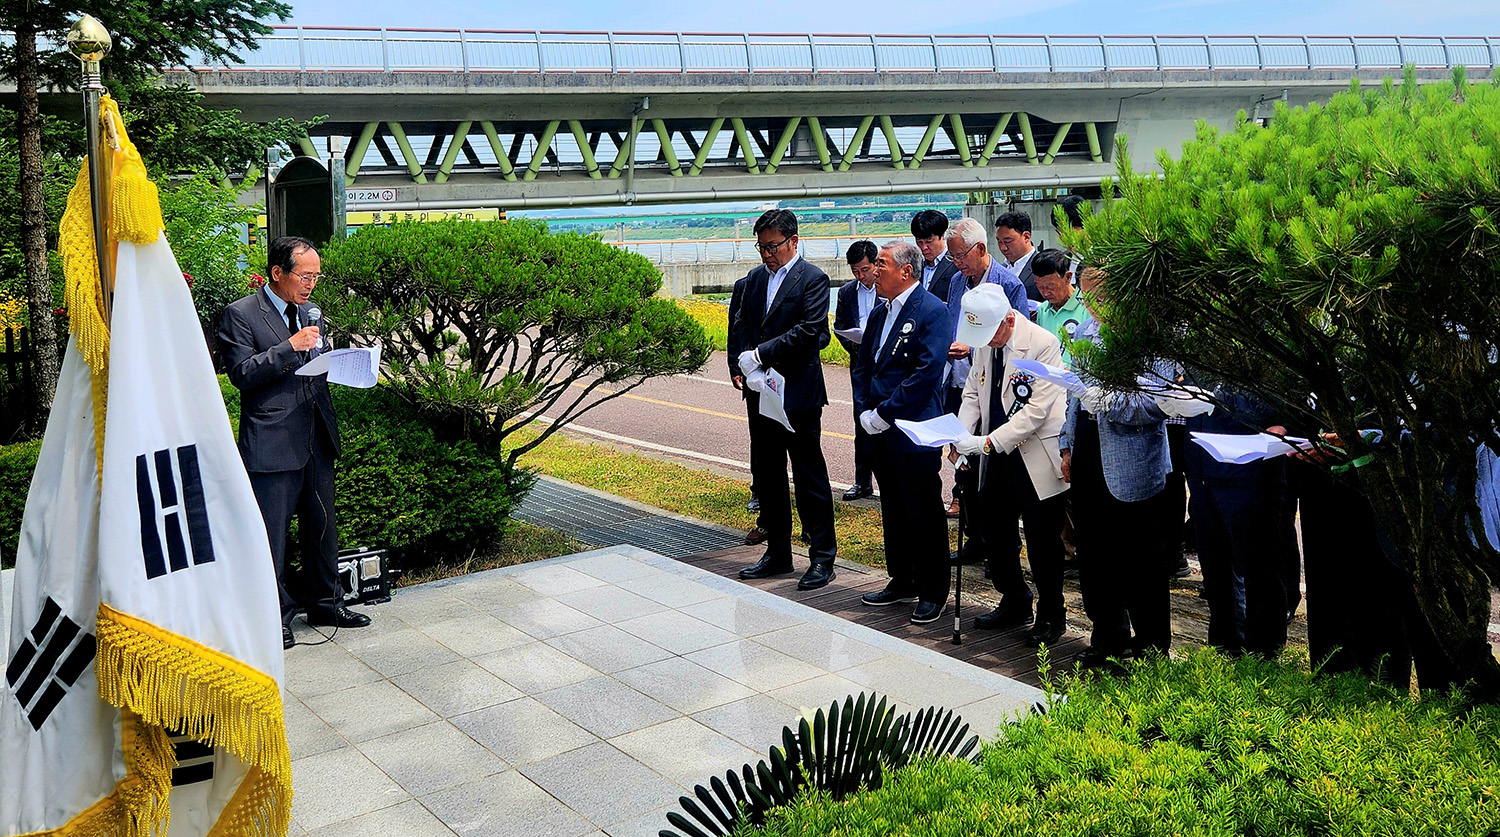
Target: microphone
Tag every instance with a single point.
(315, 317)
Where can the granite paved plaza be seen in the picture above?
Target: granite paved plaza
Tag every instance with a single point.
(577, 696)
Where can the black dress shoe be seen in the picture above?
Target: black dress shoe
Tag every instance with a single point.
(1010, 614)
(857, 492)
(754, 504)
(1096, 657)
(341, 616)
(287, 640)
(818, 575)
(767, 567)
(892, 594)
(1045, 632)
(927, 612)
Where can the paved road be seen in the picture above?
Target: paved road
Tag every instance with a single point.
(701, 418)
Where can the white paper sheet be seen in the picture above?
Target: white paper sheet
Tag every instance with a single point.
(358, 368)
(1242, 449)
(1065, 378)
(936, 432)
(853, 335)
(773, 398)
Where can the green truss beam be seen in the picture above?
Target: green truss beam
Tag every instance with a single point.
(1057, 142)
(543, 143)
(357, 151)
(820, 143)
(782, 144)
(994, 140)
(507, 168)
(1028, 140)
(412, 166)
(752, 164)
(927, 138)
(455, 145)
(667, 151)
(1092, 131)
(590, 164)
(854, 144)
(898, 157)
(709, 137)
(624, 151)
(960, 139)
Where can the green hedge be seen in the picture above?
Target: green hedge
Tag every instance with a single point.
(1202, 746)
(398, 484)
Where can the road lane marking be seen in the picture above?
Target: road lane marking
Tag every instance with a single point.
(740, 417)
(838, 401)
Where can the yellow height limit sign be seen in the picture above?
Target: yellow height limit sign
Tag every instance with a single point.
(391, 216)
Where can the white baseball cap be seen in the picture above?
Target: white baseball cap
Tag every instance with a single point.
(983, 309)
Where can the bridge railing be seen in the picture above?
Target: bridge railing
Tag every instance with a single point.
(303, 48)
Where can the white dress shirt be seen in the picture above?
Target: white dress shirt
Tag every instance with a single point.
(891, 315)
(866, 298)
(1020, 264)
(773, 286)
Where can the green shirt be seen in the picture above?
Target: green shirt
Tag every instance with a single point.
(1062, 322)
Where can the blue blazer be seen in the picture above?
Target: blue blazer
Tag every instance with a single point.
(902, 382)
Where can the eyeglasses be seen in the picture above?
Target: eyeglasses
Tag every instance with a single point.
(771, 248)
(965, 254)
(310, 281)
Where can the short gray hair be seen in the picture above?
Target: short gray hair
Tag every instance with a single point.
(969, 231)
(906, 253)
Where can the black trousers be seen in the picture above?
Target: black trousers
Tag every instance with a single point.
(1174, 500)
(308, 494)
(1119, 555)
(1007, 494)
(864, 454)
(1241, 546)
(911, 518)
(771, 446)
(1362, 611)
(751, 408)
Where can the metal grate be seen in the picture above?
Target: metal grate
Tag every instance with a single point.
(601, 522)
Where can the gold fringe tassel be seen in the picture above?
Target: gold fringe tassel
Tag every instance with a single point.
(138, 806)
(85, 299)
(134, 204)
(172, 682)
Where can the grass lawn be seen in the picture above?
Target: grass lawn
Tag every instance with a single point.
(685, 490)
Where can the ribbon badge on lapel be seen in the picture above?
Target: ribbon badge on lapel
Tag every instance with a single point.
(906, 329)
(1022, 385)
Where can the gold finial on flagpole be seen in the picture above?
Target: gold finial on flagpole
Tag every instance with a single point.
(89, 41)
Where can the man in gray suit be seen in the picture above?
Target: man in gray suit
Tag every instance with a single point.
(288, 434)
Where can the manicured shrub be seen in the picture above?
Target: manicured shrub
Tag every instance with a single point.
(17, 462)
(1200, 746)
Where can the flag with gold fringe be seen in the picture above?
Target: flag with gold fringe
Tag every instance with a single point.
(142, 679)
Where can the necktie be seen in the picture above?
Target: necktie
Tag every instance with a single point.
(998, 416)
(291, 317)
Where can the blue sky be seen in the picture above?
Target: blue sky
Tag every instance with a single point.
(1152, 17)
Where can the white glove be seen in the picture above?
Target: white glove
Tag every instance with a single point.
(1093, 400)
(970, 445)
(873, 423)
(1185, 402)
(747, 362)
(756, 380)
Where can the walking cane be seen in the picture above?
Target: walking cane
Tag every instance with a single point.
(958, 578)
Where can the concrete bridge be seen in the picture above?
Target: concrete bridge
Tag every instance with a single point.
(433, 119)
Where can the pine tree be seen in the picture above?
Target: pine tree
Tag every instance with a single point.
(1340, 262)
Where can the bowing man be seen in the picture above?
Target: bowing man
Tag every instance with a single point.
(782, 324)
(1019, 418)
(896, 376)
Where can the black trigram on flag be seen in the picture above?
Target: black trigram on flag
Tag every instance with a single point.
(48, 663)
(163, 514)
(195, 761)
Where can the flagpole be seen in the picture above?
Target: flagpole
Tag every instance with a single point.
(89, 41)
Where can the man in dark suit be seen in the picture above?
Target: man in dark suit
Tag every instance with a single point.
(930, 228)
(1013, 234)
(757, 534)
(783, 325)
(288, 435)
(856, 301)
(897, 375)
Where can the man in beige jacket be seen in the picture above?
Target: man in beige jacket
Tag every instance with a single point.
(1018, 418)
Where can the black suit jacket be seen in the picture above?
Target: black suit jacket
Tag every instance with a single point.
(846, 315)
(1026, 279)
(791, 334)
(942, 277)
(279, 411)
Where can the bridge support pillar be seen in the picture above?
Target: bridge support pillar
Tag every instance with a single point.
(985, 214)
